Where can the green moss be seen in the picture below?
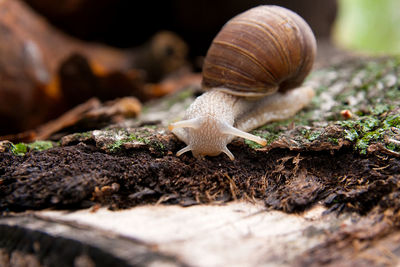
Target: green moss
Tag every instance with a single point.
(370, 129)
(21, 148)
(129, 138)
(310, 135)
(348, 123)
(40, 145)
(392, 121)
(350, 134)
(333, 140)
(371, 88)
(269, 136)
(158, 146)
(362, 125)
(369, 123)
(117, 145)
(379, 109)
(363, 143)
(84, 134)
(314, 135)
(142, 136)
(251, 144)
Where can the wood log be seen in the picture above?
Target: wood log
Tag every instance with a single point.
(30, 54)
(44, 72)
(235, 234)
(31, 241)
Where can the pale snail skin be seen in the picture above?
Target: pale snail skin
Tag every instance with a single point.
(236, 104)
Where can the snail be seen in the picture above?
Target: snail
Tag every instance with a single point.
(252, 73)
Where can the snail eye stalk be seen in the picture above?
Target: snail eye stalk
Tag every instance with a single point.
(236, 132)
(192, 123)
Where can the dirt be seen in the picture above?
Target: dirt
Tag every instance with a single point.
(82, 175)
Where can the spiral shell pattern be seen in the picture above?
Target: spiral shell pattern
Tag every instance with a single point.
(260, 51)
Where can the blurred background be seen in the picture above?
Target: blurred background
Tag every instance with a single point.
(125, 23)
(56, 55)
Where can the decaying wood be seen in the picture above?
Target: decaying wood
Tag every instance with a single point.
(237, 234)
(89, 115)
(31, 241)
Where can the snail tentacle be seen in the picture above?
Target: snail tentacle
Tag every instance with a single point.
(184, 150)
(239, 133)
(252, 71)
(228, 153)
(192, 123)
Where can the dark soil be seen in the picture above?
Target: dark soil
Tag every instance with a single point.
(81, 175)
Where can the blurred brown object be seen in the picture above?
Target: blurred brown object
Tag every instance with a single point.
(80, 80)
(32, 53)
(85, 17)
(125, 23)
(89, 115)
(93, 114)
(173, 84)
(163, 54)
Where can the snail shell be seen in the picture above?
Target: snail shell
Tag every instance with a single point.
(260, 51)
(251, 72)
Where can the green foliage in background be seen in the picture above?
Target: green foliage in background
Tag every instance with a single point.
(369, 25)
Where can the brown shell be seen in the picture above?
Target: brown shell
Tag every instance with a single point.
(260, 51)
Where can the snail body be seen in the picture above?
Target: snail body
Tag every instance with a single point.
(251, 72)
